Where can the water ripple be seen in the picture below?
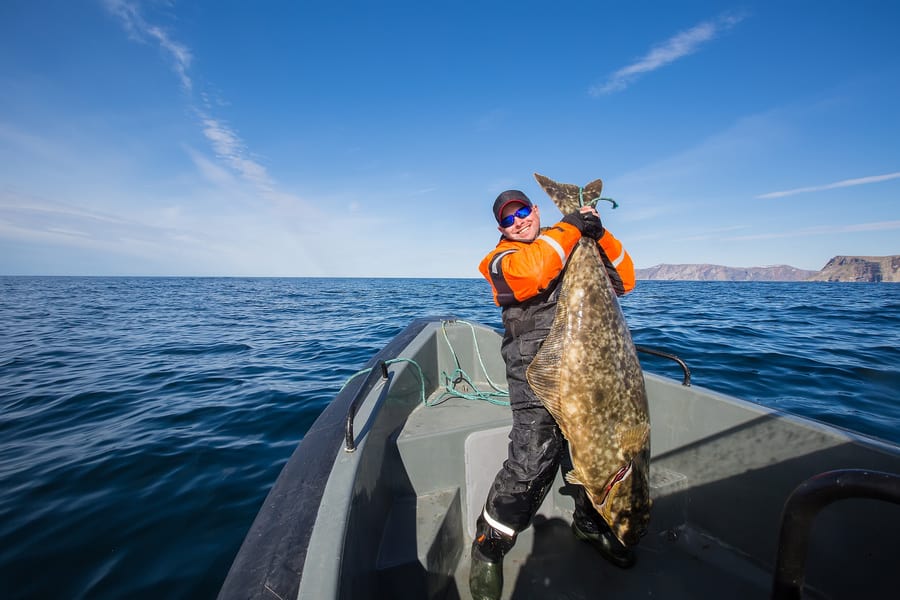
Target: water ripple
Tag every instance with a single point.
(143, 420)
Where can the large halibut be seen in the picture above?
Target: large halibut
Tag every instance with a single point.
(588, 376)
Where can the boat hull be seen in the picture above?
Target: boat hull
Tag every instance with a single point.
(394, 517)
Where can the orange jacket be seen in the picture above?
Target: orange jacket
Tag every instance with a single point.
(518, 271)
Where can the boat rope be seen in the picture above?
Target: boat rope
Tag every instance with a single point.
(459, 375)
(453, 380)
(594, 202)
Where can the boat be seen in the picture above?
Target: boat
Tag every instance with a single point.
(379, 499)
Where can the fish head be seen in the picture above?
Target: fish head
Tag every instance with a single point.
(625, 503)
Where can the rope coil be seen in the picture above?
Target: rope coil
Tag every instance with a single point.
(453, 380)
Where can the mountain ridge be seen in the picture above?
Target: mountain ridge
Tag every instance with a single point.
(868, 269)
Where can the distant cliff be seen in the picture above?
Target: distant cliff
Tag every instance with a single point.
(860, 268)
(720, 273)
(839, 268)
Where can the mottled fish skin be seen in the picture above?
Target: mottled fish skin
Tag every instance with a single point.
(588, 376)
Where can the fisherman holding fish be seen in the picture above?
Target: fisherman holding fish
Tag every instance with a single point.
(524, 270)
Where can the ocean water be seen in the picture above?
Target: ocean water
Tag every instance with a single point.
(143, 420)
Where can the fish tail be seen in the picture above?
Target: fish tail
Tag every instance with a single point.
(569, 197)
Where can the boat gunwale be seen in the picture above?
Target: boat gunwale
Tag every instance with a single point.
(264, 568)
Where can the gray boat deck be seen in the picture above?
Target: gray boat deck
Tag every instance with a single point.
(683, 565)
(674, 561)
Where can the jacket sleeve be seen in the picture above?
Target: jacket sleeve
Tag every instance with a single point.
(619, 265)
(518, 271)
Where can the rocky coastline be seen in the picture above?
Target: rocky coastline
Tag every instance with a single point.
(860, 269)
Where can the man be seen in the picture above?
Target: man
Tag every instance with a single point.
(524, 270)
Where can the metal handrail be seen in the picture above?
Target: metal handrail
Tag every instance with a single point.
(801, 508)
(686, 381)
(379, 369)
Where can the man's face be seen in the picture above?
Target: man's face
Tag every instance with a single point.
(523, 229)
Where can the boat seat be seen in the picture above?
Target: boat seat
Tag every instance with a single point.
(432, 442)
(425, 568)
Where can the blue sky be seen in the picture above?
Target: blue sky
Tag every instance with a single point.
(364, 139)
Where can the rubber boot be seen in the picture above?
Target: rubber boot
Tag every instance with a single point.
(486, 567)
(602, 539)
(485, 577)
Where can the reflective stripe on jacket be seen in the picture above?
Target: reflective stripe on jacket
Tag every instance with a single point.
(518, 271)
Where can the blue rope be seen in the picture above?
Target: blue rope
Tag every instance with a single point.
(460, 375)
(450, 382)
(595, 201)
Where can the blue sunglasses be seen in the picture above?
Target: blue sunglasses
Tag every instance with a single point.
(508, 220)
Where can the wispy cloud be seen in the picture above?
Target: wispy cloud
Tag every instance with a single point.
(130, 16)
(823, 230)
(678, 46)
(35, 219)
(228, 146)
(831, 186)
(12, 202)
(157, 242)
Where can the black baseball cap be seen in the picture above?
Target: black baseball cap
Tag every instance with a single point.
(508, 197)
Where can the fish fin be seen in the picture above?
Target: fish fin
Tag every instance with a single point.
(605, 512)
(573, 478)
(564, 195)
(591, 192)
(543, 374)
(543, 377)
(633, 439)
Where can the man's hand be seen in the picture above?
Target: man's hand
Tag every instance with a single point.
(587, 221)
